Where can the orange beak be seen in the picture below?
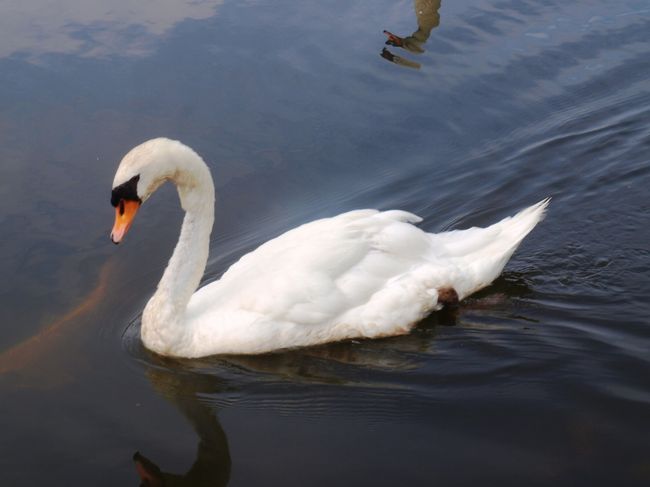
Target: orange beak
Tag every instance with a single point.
(124, 215)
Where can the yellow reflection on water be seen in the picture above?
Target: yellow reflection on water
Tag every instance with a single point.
(28, 356)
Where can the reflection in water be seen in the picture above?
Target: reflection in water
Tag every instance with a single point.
(42, 351)
(428, 19)
(283, 381)
(92, 27)
(212, 464)
(386, 54)
(194, 386)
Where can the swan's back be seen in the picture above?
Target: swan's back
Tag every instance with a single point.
(322, 268)
(360, 274)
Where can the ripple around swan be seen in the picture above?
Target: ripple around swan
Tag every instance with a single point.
(509, 338)
(492, 342)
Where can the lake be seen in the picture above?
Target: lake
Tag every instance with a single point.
(302, 111)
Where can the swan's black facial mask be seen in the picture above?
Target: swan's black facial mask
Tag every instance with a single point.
(126, 202)
(126, 191)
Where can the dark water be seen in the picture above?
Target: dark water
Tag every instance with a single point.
(542, 379)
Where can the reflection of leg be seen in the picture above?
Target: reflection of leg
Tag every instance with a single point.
(428, 18)
(426, 12)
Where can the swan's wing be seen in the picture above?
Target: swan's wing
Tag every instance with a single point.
(360, 274)
(323, 269)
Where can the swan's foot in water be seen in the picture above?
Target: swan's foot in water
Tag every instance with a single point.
(448, 297)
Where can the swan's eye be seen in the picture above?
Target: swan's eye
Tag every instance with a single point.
(121, 207)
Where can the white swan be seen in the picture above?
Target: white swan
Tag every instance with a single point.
(364, 273)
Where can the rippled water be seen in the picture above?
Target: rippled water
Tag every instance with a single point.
(542, 378)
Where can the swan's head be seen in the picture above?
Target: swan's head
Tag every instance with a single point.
(139, 174)
(149, 165)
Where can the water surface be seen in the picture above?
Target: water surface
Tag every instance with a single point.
(541, 378)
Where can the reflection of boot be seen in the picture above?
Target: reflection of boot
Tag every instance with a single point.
(386, 54)
(393, 40)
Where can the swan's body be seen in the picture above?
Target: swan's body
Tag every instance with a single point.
(360, 274)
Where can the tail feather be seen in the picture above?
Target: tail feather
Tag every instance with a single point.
(482, 253)
(513, 229)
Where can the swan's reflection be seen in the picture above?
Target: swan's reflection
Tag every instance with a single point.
(212, 464)
(194, 386)
(428, 18)
(189, 385)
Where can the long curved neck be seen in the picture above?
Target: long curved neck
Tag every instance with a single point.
(162, 319)
(187, 264)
